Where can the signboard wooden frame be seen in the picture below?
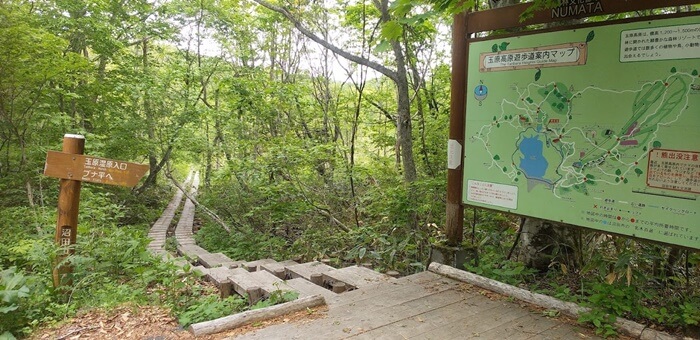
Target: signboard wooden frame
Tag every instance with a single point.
(466, 29)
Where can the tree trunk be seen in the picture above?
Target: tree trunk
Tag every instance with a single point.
(544, 243)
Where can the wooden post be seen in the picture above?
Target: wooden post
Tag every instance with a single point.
(68, 203)
(455, 210)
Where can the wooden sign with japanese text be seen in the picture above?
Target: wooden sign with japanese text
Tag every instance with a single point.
(93, 169)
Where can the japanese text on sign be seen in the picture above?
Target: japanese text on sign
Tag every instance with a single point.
(65, 236)
(98, 169)
(674, 170)
(500, 195)
(660, 43)
(93, 169)
(537, 57)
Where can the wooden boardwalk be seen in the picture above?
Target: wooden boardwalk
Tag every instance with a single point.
(423, 306)
(370, 305)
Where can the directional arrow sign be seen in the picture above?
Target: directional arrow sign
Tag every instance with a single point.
(93, 169)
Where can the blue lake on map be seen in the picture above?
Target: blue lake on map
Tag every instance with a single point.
(533, 163)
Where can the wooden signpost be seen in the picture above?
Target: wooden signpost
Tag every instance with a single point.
(73, 168)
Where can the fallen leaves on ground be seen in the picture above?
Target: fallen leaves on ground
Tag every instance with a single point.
(151, 323)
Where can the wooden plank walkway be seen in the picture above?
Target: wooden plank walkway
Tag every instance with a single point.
(159, 229)
(422, 306)
(183, 230)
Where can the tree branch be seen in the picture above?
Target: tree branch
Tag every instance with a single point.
(206, 210)
(335, 49)
(384, 111)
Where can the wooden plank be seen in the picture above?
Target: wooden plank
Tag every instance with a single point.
(429, 321)
(93, 169)
(434, 308)
(522, 328)
(474, 325)
(268, 282)
(192, 251)
(219, 275)
(237, 264)
(210, 260)
(509, 16)
(255, 265)
(355, 276)
(397, 290)
(564, 331)
(241, 281)
(305, 270)
(355, 316)
(340, 324)
(306, 288)
(363, 319)
(278, 268)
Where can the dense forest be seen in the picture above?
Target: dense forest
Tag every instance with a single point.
(320, 132)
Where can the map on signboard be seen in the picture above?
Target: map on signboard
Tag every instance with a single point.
(597, 127)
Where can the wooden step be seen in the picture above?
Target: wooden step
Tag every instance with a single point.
(278, 268)
(354, 277)
(256, 285)
(211, 260)
(306, 288)
(255, 265)
(241, 282)
(219, 276)
(306, 270)
(155, 247)
(201, 270)
(192, 251)
(269, 282)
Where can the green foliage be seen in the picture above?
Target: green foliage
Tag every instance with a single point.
(513, 273)
(209, 308)
(392, 30)
(603, 322)
(111, 267)
(13, 289)
(492, 240)
(276, 297)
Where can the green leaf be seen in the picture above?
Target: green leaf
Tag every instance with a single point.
(538, 74)
(7, 336)
(503, 46)
(590, 36)
(494, 48)
(392, 30)
(401, 8)
(383, 46)
(7, 309)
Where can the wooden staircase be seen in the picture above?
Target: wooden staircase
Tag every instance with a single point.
(256, 279)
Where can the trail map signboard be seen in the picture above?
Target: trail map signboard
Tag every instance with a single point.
(597, 127)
